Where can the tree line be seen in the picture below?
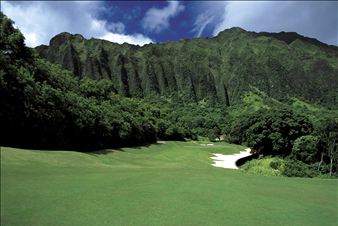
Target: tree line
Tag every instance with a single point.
(47, 108)
(306, 144)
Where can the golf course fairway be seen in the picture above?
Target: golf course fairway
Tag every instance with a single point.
(162, 184)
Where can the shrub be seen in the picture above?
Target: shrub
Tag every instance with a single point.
(263, 167)
(275, 165)
(294, 168)
(212, 137)
(280, 167)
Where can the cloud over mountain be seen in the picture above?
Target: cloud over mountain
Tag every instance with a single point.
(40, 21)
(159, 21)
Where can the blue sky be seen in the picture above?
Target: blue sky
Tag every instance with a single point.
(141, 22)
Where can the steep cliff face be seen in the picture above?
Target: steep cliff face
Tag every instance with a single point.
(219, 69)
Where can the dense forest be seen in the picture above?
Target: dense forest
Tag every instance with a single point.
(274, 92)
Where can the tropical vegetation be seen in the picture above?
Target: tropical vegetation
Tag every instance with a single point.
(274, 92)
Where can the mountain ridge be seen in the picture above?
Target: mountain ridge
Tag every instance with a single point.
(219, 69)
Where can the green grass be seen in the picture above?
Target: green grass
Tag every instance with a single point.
(169, 184)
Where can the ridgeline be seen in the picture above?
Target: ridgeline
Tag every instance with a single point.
(220, 70)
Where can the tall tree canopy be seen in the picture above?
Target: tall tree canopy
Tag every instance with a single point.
(276, 130)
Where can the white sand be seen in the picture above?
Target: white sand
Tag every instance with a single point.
(160, 142)
(229, 161)
(207, 144)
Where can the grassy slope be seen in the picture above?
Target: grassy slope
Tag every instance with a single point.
(169, 184)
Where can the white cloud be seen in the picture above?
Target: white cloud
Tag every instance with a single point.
(41, 21)
(157, 20)
(116, 27)
(202, 20)
(314, 19)
(137, 39)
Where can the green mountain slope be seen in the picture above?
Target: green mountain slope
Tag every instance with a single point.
(220, 69)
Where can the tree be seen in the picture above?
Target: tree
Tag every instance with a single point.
(12, 45)
(217, 133)
(243, 123)
(327, 131)
(212, 137)
(17, 84)
(305, 149)
(276, 131)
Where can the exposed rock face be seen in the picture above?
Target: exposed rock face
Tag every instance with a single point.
(219, 69)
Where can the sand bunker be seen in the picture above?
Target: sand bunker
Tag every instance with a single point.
(160, 142)
(229, 161)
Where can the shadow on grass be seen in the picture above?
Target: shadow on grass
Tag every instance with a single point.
(90, 150)
(102, 152)
(242, 161)
(108, 151)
